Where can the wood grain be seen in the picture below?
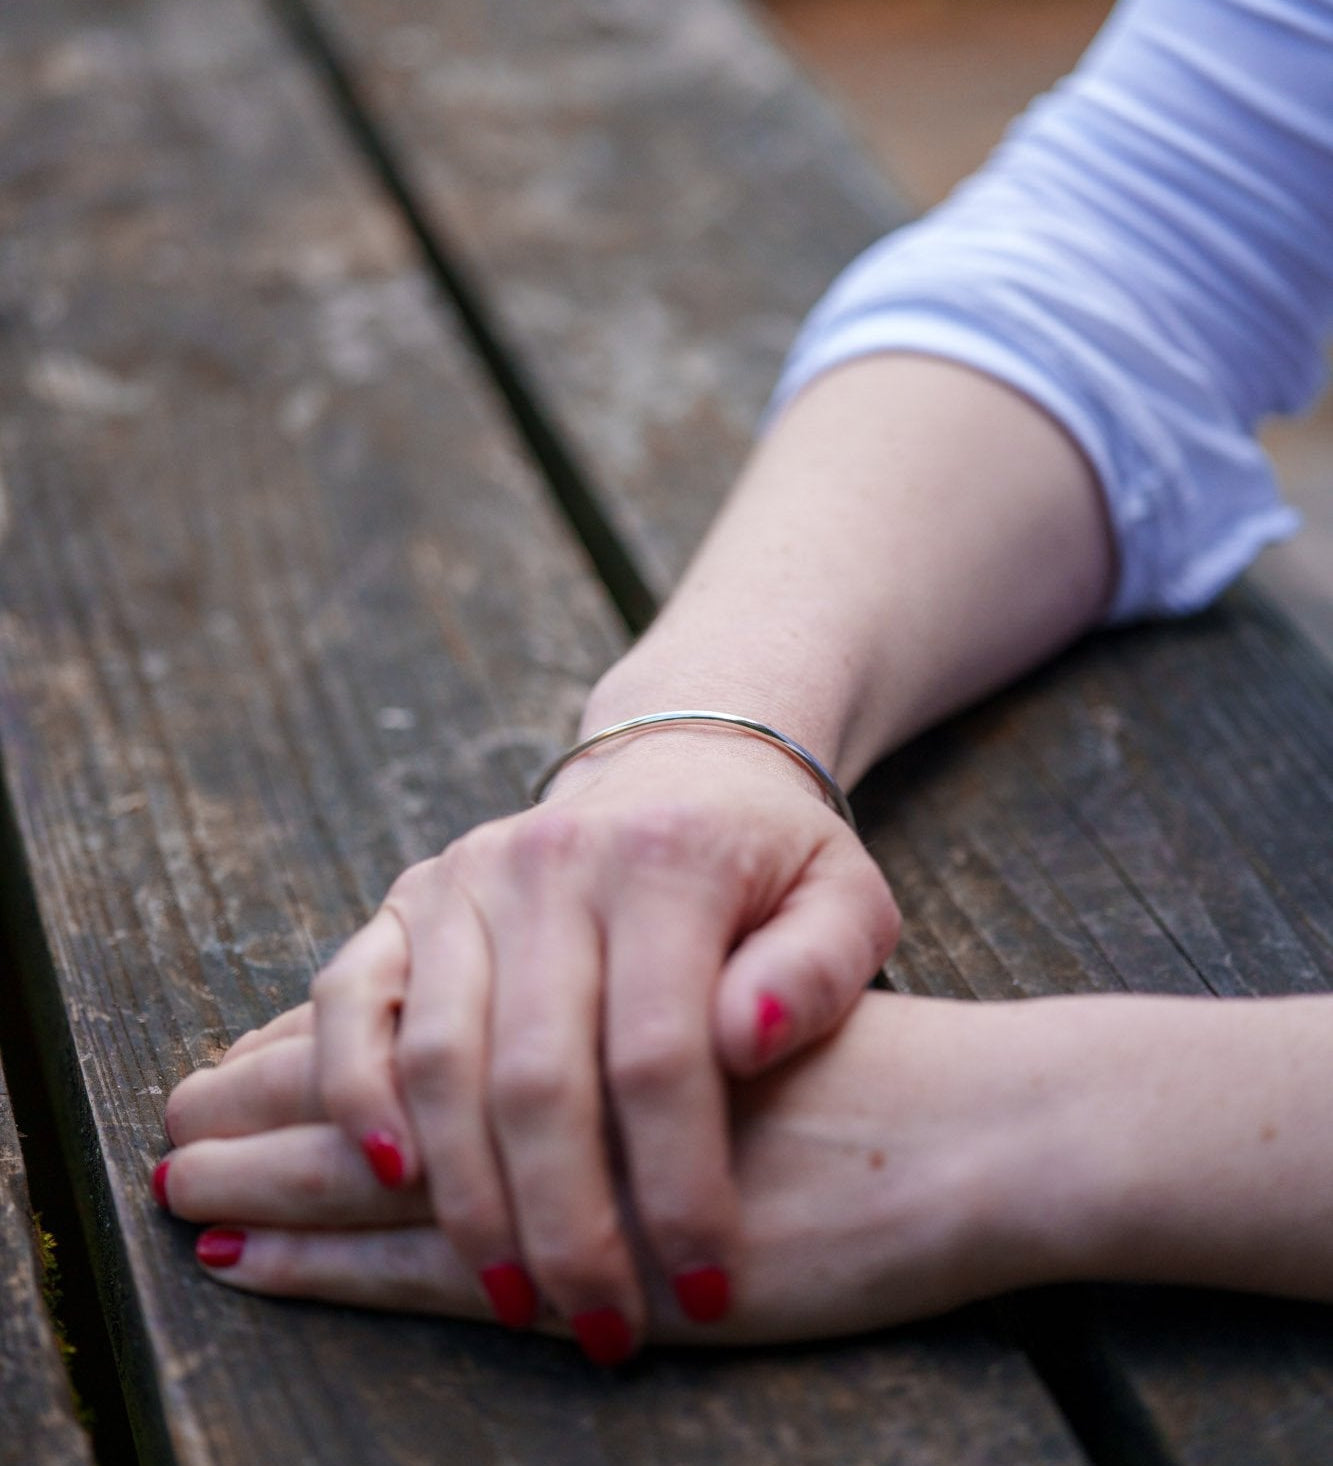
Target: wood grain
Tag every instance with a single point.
(39, 1423)
(1151, 815)
(646, 198)
(281, 609)
(1226, 1380)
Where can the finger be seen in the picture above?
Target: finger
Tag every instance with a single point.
(792, 980)
(668, 1091)
(271, 1086)
(301, 1176)
(357, 999)
(441, 1059)
(289, 1024)
(545, 1095)
(410, 1269)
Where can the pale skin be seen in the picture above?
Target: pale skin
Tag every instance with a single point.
(928, 1153)
(908, 537)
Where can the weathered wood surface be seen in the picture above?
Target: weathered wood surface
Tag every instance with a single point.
(1226, 1380)
(619, 180)
(1152, 814)
(648, 198)
(38, 1426)
(281, 609)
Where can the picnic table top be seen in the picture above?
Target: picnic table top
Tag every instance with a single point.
(368, 369)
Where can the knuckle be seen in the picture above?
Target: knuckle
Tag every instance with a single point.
(472, 1223)
(526, 1082)
(543, 837)
(431, 1060)
(886, 924)
(466, 855)
(413, 885)
(309, 1178)
(328, 982)
(877, 910)
(281, 1270)
(824, 988)
(679, 1223)
(266, 1088)
(582, 1266)
(662, 835)
(651, 1060)
(348, 1098)
(870, 884)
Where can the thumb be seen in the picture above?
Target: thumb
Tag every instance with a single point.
(793, 979)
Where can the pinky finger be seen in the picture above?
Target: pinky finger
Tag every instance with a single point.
(410, 1269)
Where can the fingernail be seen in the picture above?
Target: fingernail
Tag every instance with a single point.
(704, 1293)
(603, 1335)
(772, 1025)
(160, 1185)
(386, 1160)
(220, 1247)
(512, 1294)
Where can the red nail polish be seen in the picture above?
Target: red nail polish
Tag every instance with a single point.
(512, 1294)
(604, 1335)
(386, 1160)
(704, 1293)
(220, 1247)
(772, 1025)
(160, 1185)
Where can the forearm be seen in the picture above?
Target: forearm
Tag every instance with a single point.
(1184, 1143)
(908, 537)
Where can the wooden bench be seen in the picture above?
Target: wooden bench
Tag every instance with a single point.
(366, 369)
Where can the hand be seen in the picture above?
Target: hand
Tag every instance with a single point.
(906, 1165)
(571, 980)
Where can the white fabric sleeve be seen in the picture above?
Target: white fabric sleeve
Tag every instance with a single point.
(1149, 256)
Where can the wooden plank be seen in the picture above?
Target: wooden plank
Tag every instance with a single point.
(1153, 815)
(1226, 1380)
(648, 198)
(40, 1425)
(282, 609)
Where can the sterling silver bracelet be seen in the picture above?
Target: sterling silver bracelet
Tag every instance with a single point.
(828, 785)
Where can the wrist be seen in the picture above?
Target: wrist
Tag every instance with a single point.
(667, 671)
(676, 761)
(702, 719)
(1050, 1172)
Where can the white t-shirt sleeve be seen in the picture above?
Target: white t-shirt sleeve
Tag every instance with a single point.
(1149, 256)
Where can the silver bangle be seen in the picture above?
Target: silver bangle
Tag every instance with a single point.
(828, 785)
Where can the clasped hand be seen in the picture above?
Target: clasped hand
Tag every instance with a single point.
(535, 1030)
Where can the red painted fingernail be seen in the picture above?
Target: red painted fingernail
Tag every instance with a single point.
(772, 1025)
(160, 1185)
(386, 1160)
(220, 1247)
(603, 1335)
(704, 1293)
(512, 1294)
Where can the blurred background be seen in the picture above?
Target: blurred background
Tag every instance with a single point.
(928, 85)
